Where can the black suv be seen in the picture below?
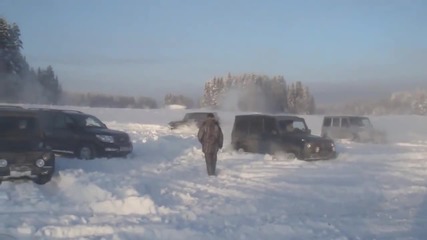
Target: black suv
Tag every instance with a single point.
(77, 134)
(273, 134)
(23, 152)
(192, 118)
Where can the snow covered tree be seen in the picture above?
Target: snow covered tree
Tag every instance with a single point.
(11, 60)
(18, 83)
(4, 47)
(252, 92)
(50, 84)
(300, 101)
(291, 98)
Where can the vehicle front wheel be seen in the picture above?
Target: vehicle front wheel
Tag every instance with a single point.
(43, 179)
(280, 154)
(284, 156)
(86, 152)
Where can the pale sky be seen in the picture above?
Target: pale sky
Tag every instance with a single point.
(151, 47)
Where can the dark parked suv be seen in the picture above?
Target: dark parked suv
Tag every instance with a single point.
(77, 134)
(275, 134)
(23, 152)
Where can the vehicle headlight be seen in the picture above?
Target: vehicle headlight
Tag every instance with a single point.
(40, 162)
(3, 163)
(105, 138)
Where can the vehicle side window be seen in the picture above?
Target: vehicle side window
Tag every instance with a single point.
(61, 121)
(299, 125)
(327, 122)
(15, 123)
(336, 122)
(345, 123)
(255, 126)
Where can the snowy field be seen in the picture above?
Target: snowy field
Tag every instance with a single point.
(163, 192)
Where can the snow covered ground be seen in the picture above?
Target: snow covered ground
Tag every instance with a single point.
(163, 192)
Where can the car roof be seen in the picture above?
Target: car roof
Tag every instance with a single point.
(56, 110)
(344, 116)
(10, 107)
(17, 112)
(275, 116)
(200, 112)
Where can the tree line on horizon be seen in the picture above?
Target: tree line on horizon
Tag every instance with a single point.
(21, 83)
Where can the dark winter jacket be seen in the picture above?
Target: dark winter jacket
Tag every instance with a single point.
(210, 136)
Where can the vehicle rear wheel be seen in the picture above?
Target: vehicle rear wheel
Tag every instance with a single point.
(239, 148)
(86, 152)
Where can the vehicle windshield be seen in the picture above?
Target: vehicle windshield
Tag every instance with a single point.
(292, 126)
(360, 122)
(86, 121)
(15, 125)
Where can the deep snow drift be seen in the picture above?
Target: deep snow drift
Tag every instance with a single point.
(163, 192)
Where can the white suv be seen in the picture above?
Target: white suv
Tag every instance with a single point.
(355, 128)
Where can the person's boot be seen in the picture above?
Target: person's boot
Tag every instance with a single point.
(208, 167)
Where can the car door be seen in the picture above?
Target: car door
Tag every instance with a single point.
(239, 133)
(326, 126)
(270, 139)
(292, 138)
(335, 128)
(255, 138)
(61, 135)
(345, 131)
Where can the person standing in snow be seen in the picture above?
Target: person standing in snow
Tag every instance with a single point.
(211, 137)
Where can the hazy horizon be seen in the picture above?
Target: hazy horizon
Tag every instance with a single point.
(342, 50)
